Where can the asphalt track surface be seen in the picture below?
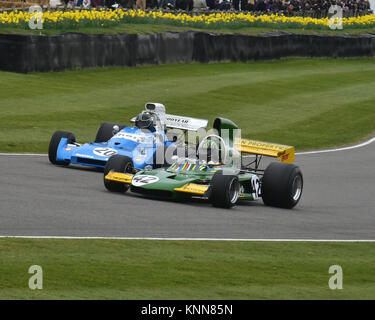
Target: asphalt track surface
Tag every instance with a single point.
(39, 199)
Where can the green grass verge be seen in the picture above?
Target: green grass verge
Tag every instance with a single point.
(159, 28)
(309, 103)
(132, 269)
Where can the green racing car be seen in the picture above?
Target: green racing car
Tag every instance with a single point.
(223, 182)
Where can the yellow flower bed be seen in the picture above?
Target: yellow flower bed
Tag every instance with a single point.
(100, 18)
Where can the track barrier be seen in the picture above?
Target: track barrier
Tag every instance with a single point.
(34, 53)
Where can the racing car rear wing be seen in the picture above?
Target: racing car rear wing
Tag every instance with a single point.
(183, 123)
(283, 153)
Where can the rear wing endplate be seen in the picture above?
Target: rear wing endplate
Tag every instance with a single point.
(281, 152)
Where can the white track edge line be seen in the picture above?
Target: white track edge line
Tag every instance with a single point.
(186, 239)
(362, 144)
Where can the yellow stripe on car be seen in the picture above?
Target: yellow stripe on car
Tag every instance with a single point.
(119, 177)
(193, 188)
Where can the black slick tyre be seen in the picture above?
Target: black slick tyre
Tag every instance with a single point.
(282, 185)
(105, 131)
(117, 163)
(54, 144)
(225, 190)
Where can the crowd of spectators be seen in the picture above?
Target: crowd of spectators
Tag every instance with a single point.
(290, 6)
(315, 8)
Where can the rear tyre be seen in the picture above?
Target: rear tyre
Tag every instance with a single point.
(54, 144)
(105, 131)
(225, 190)
(282, 185)
(121, 164)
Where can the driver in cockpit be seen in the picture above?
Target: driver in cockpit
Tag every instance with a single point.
(145, 121)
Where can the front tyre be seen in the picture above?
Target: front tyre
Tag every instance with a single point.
(121, 164)
(54, 144)
(282, 185)
(225, 190)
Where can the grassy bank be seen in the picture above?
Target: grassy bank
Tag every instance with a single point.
(303, 102)
(129, 269)
(105, 21)
(144, 28)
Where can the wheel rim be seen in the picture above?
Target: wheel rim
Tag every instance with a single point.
(297, 187)
(128, 168)
(234, 191)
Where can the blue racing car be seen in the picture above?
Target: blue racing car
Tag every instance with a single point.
(145, 143)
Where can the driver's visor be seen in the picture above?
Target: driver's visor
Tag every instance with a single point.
(143, 123)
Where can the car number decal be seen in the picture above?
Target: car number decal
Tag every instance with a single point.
(104, 152)
(141, 180)
(255, 186)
